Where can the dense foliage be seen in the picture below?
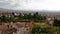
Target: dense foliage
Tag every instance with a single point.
(56, 22)
(42, 28)
(25, 17)
(39, 28)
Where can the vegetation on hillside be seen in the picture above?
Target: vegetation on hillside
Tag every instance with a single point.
(24, 18)
(42, 28)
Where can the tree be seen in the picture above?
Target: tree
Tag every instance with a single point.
(39, 28)
(20, 17)
(29, 16)
(38, 18)
(35, 17)
(0, 21)
(25, 16)
(12, 19)
(35, 29)
(4, 19)
(56, 22)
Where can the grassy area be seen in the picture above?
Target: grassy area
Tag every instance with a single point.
(47, 29)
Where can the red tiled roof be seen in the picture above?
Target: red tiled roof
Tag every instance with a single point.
(12, 30)
(20, 25)
(29, 24)
(3, 28)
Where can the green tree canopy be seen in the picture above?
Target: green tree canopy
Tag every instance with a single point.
(56, 22)
(4, 19)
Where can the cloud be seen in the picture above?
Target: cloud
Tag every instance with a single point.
(39, 5)
(7, 4)
(30, 4)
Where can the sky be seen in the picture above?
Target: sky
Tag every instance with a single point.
(31, 4)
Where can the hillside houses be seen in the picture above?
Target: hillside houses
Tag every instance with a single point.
(17, 23)
(20, 28)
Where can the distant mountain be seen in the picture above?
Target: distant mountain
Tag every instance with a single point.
(5, 10)
(2, 9)
(29, 11)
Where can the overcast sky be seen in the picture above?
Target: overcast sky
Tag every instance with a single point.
(30, 4)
